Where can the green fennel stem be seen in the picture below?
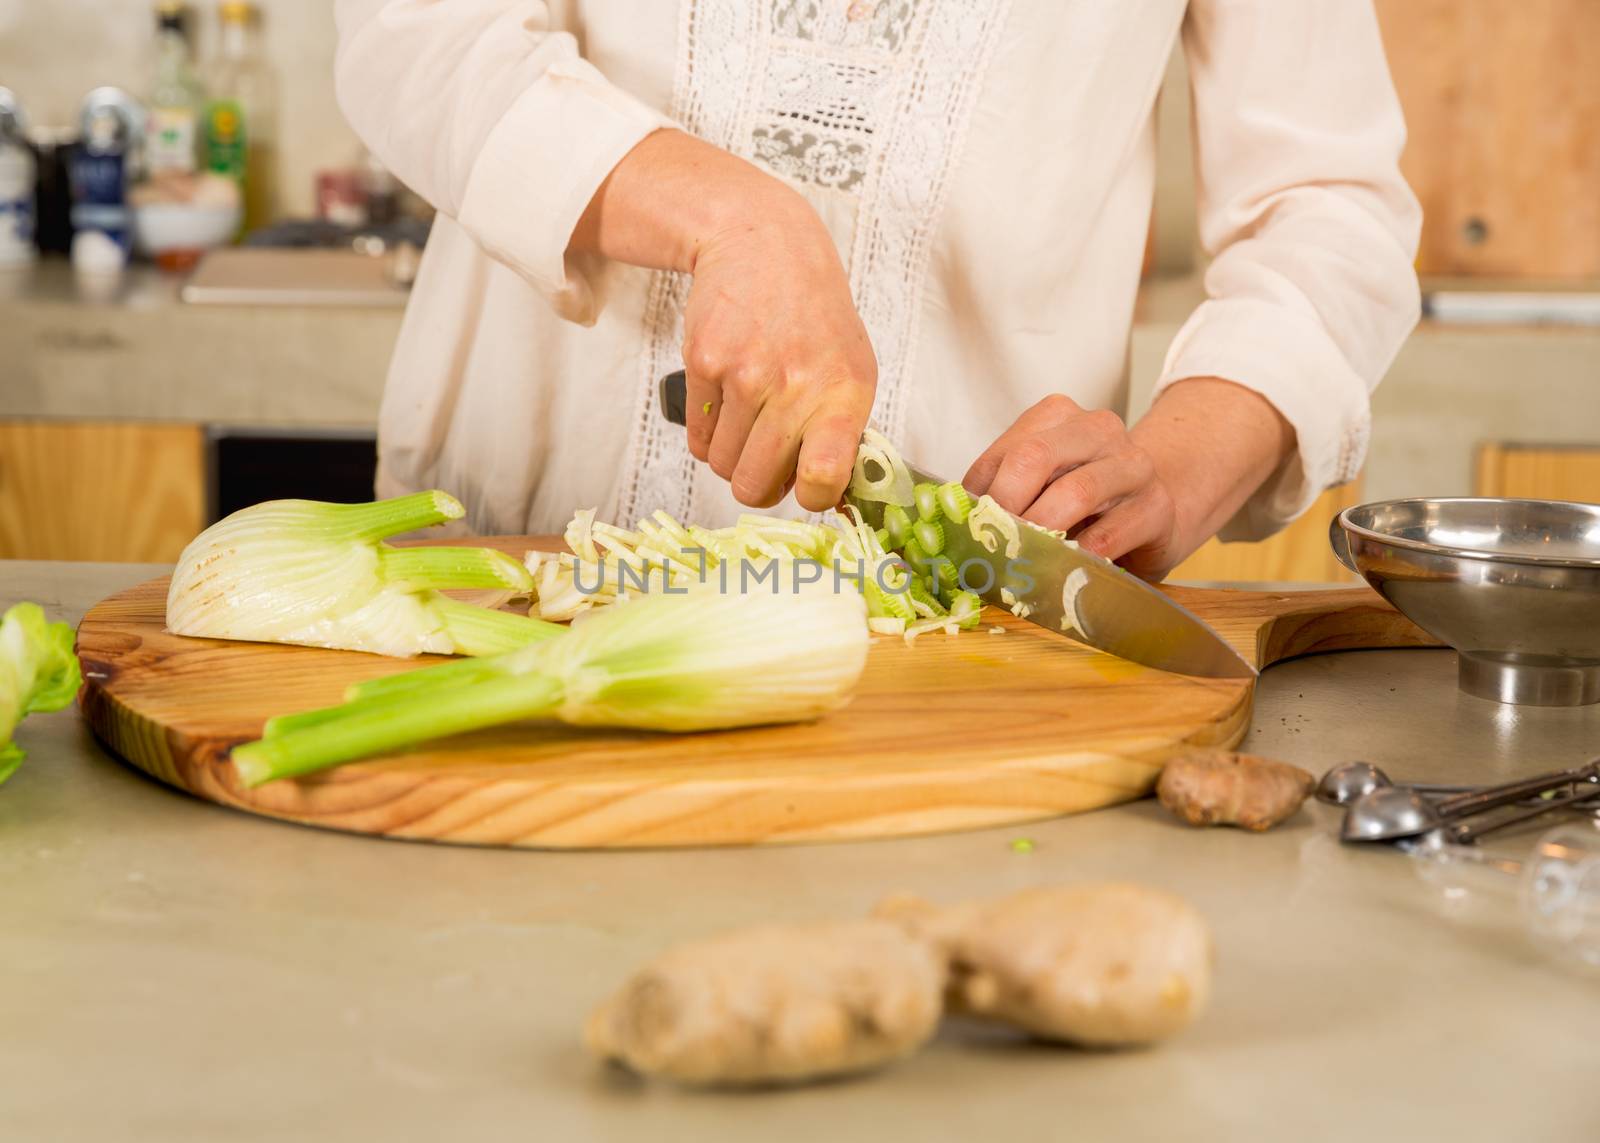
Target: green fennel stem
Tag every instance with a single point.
(368, 728)
(385, 518)
(487, 631)
(457, 672)
(444, 568)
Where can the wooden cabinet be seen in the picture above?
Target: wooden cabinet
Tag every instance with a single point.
(84, 490)
(1501, 98)
(1539, 472)
(1298, 554)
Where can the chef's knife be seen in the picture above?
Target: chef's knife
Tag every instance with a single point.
(1054, 583)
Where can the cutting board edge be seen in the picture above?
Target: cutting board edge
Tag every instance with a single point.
(146, 746)
(472, 810)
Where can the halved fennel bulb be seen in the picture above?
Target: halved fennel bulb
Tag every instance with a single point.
(301, 571)
(702, 661)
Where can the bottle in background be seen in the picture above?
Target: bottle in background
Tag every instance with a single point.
(17, 179)
(98, 171)
(173, 129)
(240, 113)
(52, 220)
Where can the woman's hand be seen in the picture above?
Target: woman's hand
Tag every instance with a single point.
(780, 372)
(1145, 497)
(1062, 466)
(781, 375)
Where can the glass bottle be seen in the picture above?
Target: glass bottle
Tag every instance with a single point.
(17, 177)
(172, 131)
(240, 114)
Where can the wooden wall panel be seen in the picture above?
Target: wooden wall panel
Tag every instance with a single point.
(100, 491)
(1539, 472)
(1502, 102)
(1298, 554)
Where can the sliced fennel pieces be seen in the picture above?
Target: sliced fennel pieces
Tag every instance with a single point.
(300, 571)
(1071, 620)
(991, 525)
(880, 475)
(898, 568)
(38, 671)
(703, 661)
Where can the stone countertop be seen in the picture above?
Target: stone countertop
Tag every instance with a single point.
(174, 969)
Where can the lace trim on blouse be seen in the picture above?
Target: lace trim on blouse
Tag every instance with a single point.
(870, 99)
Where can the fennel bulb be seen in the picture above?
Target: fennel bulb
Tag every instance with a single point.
(701, 661)
(301, 571)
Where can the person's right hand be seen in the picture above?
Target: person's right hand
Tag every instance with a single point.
(781, 375)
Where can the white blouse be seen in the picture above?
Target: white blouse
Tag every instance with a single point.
(986, 167)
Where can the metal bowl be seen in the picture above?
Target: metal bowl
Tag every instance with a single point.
(1513, 585)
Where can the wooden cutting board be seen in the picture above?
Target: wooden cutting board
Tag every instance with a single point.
(955, 732)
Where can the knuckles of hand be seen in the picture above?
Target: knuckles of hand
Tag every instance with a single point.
(704, 358)
(1033, 455)
(1104, 422)
(1058, 405)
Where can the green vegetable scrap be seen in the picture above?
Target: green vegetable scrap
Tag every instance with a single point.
(38, 672)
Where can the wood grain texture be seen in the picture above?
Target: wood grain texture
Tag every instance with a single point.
(85, 490)
(1502, 105)
(1539, 472)
(1298, 554)
(952, 733)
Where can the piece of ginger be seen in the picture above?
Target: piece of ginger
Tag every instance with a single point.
(1218, 787)
(775, 1004)
(1103, 965)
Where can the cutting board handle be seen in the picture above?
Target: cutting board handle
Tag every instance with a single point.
(1269, 627)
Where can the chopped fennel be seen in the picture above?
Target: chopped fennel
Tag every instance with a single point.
(955, 502)
(1019, 607)
(301, 571)
(38, 672)
(893, 484)
(701, 661)
(923, 626)
(997, 630)
(609, 565)
(1077, 580)
(991, 524)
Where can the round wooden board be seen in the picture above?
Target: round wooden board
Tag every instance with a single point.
(951, 733)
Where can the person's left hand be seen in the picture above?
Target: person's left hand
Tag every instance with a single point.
(1065, 467)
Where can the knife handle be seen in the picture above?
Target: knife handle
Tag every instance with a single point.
(674, 394)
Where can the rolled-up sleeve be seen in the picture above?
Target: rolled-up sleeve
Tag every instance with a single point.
(493, 118)
(1312, 229)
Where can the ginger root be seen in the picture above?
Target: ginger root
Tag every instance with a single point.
(1103, 965)
(1216, 787)
(775, 1004)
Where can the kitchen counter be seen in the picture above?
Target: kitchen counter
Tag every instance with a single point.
(128, 349)
(176, 970)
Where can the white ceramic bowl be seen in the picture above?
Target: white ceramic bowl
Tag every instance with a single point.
(170, 227)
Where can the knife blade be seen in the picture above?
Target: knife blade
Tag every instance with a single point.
(1050, 581)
